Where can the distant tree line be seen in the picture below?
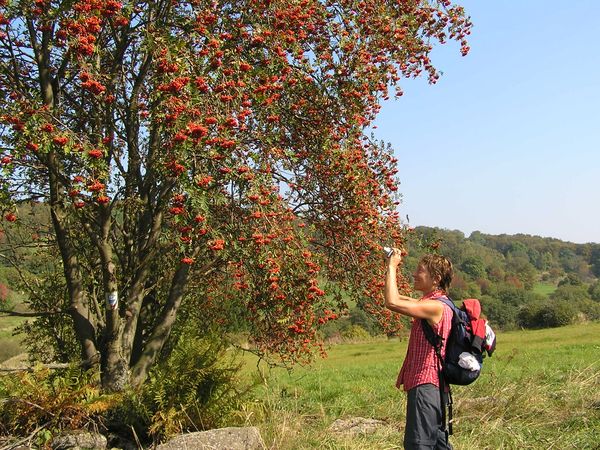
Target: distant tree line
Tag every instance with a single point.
(522, 281)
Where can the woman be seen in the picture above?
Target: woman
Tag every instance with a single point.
(419, 375)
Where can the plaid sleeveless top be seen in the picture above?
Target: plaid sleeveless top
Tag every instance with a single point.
(420, 364)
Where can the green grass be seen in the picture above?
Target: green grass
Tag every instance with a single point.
(540, 390)
(544, 289)
(11, 345)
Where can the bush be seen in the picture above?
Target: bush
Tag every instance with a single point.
(56, 400)
(590, 309)
(50, 337)
(511, 295)
(367, 321)
(334, 328)
(501, 315)
(194, 388)
(356, 333)
(557, 314)
(474, 267)
(6, 301)
(570, 280)
(570, 292)
(461, 289)
(547, 314)
(594, 291)
(527, 316)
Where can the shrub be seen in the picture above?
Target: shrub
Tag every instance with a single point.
(501, 315)
(570, 280)
(334, 328)
(594, 291)
(588, 309)
(359, 317)
(55, 400)
(474, 267)
(6, 302)
(193, 388)
(557, 314)
(570, 293)
(356, 333)
(547, 314)
(529, 315)
(49, 337)
(461, 288)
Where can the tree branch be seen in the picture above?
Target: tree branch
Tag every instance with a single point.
(8, 313)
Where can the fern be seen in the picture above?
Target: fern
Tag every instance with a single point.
(59, 400)
(195, 387)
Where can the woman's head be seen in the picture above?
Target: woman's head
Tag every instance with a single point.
(433, 272)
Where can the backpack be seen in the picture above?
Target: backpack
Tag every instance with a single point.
(469, 339)
(466, 342)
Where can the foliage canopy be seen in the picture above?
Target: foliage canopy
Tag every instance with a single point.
(209, 147)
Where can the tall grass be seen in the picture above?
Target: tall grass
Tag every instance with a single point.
(540, 390)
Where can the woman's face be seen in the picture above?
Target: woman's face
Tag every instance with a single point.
(422, 280)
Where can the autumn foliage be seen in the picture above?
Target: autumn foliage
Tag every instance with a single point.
(209, 147)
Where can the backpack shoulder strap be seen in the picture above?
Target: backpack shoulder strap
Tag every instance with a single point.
(448, 302)
(435, 339)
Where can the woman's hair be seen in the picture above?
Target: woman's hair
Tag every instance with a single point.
(440, 267)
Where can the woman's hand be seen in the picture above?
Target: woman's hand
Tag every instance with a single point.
(395, 258)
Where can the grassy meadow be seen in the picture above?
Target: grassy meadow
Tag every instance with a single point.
(540, 390)
(10, 345)
(544, 289)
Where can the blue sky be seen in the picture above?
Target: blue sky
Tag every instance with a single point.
(508, 140)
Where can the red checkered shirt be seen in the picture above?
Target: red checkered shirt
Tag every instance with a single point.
(421, 364)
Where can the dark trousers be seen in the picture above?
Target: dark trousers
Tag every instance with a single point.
(424, 428)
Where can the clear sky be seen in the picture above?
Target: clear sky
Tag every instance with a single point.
(508, 140)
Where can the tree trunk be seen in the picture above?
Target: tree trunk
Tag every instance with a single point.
(163, 328)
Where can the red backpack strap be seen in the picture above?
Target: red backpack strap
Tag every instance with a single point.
(473, 309)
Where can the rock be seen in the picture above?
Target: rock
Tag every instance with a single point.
(232, 438)
(356, 425)
(116, 441)
(79, 441)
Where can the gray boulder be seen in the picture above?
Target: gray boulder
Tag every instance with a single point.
(79, 441)
(232, 438)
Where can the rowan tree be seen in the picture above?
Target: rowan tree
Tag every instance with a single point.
(214, 146)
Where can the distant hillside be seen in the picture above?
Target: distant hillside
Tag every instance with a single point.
(526, 281)
(545, 254)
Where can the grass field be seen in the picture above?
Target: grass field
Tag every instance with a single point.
(540, 390)
(544, 288)
(9, 345)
